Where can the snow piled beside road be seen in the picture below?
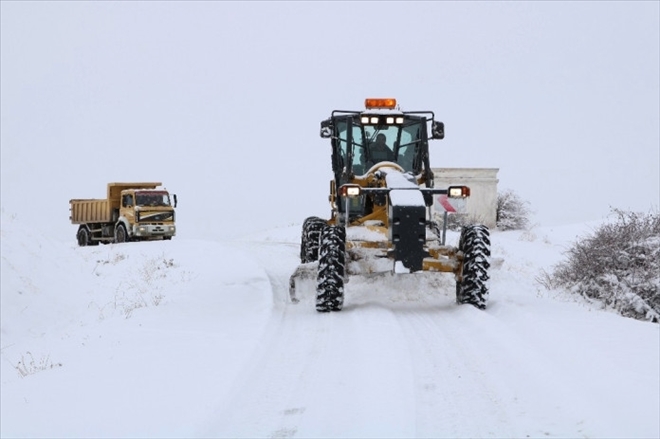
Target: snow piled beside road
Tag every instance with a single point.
(198, 338)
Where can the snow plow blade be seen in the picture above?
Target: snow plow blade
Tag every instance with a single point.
(302, 281)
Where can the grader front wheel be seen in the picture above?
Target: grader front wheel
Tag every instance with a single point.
(332, 260)
(472, 289)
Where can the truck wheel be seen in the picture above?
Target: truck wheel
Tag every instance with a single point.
(309, 242)
(83, 236)
(120, 234)
(475, 245)
(332, 259)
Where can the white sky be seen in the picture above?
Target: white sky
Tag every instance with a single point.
(222, 101)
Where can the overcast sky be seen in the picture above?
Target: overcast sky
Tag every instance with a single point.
(222, 101)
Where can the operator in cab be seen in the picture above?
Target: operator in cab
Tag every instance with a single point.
(379, 151)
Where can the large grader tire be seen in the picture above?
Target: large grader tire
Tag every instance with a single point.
(332, 260)
(309, 241)
(472, 288)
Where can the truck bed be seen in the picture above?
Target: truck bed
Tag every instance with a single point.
(90, 211)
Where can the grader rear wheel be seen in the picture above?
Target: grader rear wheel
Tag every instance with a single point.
(309, 242)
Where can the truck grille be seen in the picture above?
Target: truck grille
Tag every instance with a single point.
(149, 217)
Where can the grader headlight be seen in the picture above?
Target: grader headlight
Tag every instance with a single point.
(458, 192)
(370, 120)
(350, 190)
(391, 120)
(373, 120)
(380, 120)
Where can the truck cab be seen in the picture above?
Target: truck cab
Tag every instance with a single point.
(147, 213)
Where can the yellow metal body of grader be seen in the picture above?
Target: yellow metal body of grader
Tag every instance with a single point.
(381, 198)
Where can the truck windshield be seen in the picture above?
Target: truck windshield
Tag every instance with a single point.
(374, 144)
(152, 198)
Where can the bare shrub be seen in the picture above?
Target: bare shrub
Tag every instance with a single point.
(456, 221)
(512, 212)
(30, 365)
(145, 287)
(619, 265)
(117, 258)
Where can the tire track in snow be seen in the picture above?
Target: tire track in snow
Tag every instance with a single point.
(317, 373)
(486, 387)
(402, 359)
(314, 373)
(453, 389)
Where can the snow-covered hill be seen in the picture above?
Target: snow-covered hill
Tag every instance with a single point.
(197, 338)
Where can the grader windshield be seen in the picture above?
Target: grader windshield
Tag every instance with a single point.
(363, 145)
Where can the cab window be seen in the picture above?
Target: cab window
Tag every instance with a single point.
(359, 157)
(408, 146)
(127, 201)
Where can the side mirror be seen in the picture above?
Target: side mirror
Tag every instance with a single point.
(174, 200)
(326, 129)
(438, 130)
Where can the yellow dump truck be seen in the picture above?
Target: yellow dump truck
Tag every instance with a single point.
(131, 212)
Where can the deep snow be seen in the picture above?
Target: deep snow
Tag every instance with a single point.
(193, 338)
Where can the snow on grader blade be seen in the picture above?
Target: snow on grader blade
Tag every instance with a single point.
(381, 222)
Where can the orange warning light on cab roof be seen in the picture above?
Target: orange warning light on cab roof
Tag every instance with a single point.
(389, 103)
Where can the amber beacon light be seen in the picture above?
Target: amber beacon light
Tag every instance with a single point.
(389, 103)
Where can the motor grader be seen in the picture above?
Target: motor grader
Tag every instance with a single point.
(381, 201)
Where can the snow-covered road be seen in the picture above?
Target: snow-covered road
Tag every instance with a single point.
(402, 360)
(216, 349)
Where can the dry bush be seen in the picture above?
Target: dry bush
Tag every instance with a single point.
(145, 287)
(618, 265)
(512, 212)
(30, 366)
